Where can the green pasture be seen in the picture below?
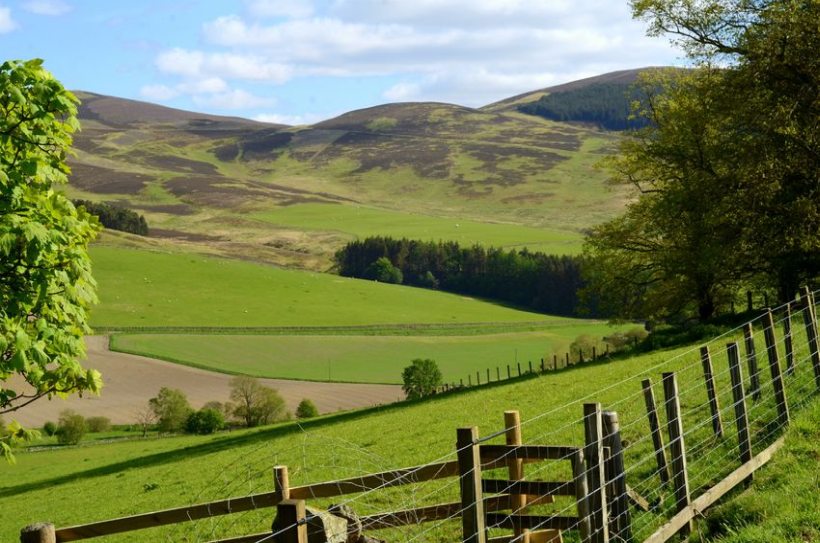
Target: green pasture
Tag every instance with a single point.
(363, 359)
(146, 288)
(76, 485)
(359, 222)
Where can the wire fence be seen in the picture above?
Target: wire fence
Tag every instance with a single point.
(649, 472)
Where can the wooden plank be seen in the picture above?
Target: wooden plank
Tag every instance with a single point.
(711, 392)
(522, 522)
(168, 516)
(258, 501)
(375, 481)
(620, 528)
(810, 321)
(655, 430)
(253, 538)
(709, 497)
(596, 477)
(433, 513)
(741, 416)
(774, 367)
(526, 452)
(524, 488)
(751, 360)
(472, 503)
(637, 500)
(538, 536)
(677, 447)
(787, 338)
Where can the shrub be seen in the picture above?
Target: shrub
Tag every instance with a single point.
(71, 427)
(98, 424)
(171, 408)
(420, 378)
(205, 421)
(49, 428)
(256, 404)
(383, 271)
(306, 409)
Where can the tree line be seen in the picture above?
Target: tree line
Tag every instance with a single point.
(533, 280)
(605, 104)
(116, 217)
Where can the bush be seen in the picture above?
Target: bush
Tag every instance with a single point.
(306, 410)
(171, 408)
(420, 378)
(256, 404)
(383, 271)
(71, 428)
(49, 428)
(98, 424)
(205, 421)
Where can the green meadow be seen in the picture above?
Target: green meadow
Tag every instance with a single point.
(362, 359)
(146, 288)
(74, 485)
(359, 222)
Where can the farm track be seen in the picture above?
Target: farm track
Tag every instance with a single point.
(131, 380)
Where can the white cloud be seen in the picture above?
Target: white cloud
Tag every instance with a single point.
(233, 99)
(47, 7)
(294, 9)
(198, 64)
(7, 24)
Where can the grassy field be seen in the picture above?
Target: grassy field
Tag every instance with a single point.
(143, 288)
(75, 485)
(364, 359)
(360, 222)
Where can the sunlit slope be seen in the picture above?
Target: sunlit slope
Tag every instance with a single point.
(145, 288)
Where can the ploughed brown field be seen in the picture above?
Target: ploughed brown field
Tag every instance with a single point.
(131, 380)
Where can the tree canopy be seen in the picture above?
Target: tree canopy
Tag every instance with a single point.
(46, 287)
(727, 168)
(420, 378)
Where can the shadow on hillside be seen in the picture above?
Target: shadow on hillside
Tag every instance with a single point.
(214, 445)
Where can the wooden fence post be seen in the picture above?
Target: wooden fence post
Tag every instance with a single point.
(290, 522)
(580, 356)
(596, 477)
(567, 361)
(530, 363)
(655, 430)
(469, 380)
(477, 378)
(620, 526)
(508, 371)
(739, 397)
(554, 361)
(774, 366)
(677, 446)
(473, 520)
(751, 359)
(709, 377)
(519, 368)
(281, 481)
(497, 373)
(749, 305)
(543, 366)
(579, 477)
(488, 375)
(787, 338)
(512, 425)
(594, 354)
(811, 333)
(38, 533)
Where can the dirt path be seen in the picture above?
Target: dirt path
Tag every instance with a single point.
(131, 380)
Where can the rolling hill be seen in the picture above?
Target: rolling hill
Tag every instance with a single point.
(293, 195)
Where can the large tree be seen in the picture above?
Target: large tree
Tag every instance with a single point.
(729, 167)
(46, 287)
(772, 71)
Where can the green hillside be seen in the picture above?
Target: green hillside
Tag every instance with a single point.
(293, 195)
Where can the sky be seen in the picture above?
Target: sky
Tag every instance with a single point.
(301, 61)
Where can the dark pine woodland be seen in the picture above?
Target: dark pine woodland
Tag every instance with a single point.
(537, 281)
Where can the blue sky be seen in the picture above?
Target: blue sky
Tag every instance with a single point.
(302, 61)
